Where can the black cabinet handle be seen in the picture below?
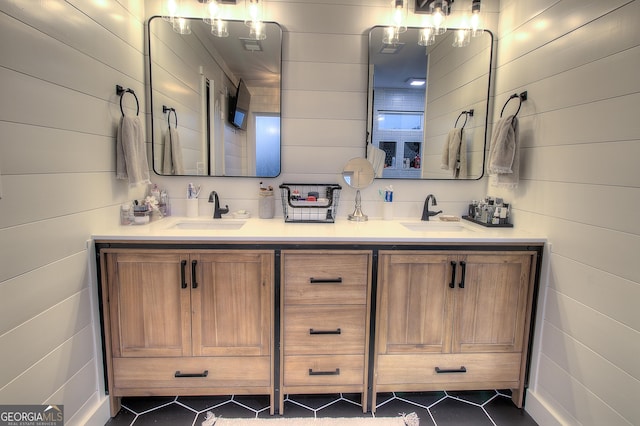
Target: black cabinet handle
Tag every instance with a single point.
(178, 374)
(336, 372)
(312, 331)
(463, 266)
(194, 283)
(337, 280)
(452, 284)
(183, 278)
(451, 370)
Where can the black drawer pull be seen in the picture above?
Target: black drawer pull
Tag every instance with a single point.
(325, 280)
(452, 370)
(194, 282)
(312, 331)
(324, 373)
(205, 373)
(183, 265)
(463, 266)
(452, 284)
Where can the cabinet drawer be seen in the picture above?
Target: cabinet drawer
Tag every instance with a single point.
(417, 369)
(323, 370)
(324, 330)
(322, 278)
(220, 372)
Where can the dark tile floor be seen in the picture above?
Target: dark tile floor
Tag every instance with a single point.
(473, 408)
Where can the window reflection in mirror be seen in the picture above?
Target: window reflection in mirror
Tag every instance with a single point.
(226, 97)
(411, 122)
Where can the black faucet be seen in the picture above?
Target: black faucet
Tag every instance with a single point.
(426, 213)
(217, 211)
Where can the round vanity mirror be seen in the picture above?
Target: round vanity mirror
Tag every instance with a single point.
(358, 174)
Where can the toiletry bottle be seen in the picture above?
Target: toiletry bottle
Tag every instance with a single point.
(125, 214)
(163, 205)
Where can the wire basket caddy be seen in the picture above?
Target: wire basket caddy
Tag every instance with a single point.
(305, 202)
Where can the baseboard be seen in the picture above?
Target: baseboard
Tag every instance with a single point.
(542, 412)
(94, 413)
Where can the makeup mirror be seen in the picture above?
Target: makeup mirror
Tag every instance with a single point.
(358, 174)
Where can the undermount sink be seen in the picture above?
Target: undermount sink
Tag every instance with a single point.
(436, 226)
(209, 224)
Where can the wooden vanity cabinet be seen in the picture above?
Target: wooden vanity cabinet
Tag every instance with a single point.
(453, 321)
(188, 322)
(325, 322)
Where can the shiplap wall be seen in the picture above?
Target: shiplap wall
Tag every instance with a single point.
(577, 59)
(580, 131)
(60, 63)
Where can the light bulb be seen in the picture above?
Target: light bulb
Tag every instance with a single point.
(476, 21)
(427, 37)
(211, 12)
(181, 26)
(256, 31)
(439, 11)
(219, 28)
(170, 10)
(399, 15)
(391, 36)
(461, 38)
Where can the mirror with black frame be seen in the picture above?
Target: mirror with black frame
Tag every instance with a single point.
(215, 101)
(437, 127)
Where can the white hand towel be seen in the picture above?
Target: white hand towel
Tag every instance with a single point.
(376, 157)
(462, 170)
(131, 152)
(451, 153)
(504, 153)
(172, 163)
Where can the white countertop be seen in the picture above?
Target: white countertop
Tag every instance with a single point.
(343, 230)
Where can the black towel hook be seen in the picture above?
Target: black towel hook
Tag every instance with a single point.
(120, 91)
(166, 109)
(521, 97)
(466, 114)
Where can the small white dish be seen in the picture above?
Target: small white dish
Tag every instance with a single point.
(241, 214)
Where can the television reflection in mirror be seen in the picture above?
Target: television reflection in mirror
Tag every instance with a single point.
(239, 106)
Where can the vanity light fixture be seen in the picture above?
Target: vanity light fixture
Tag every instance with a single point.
(398, 22)
(181, 25)
(171, 13)
(439, 12)
(476, 19)
(253, 19)
(213, 15)
(169, 10)
(462, 37)
(427, 36)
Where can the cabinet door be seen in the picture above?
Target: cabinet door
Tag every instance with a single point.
(491, 302)
(232, 303)
(149, 305)
(414, 300)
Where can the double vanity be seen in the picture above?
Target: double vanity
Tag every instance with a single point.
(221, 307)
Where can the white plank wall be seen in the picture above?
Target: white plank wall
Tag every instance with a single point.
(580, 135)
(58, 116)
